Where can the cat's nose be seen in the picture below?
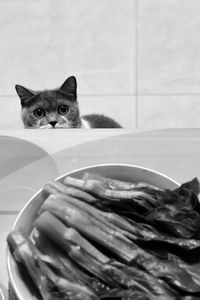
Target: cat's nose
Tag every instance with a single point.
(53, 123)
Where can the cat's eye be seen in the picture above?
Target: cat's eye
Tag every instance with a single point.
(39, 113)
(63, 109)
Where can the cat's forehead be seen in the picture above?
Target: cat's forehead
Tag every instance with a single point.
(51, 98)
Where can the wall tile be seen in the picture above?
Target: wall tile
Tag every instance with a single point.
(94, 40)
(43, 42)
(168, 46)
(10, 111)
(25, 37)
(121, 108)
(168, 111)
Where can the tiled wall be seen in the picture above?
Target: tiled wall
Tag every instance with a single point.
(168, 63)
(135, 60)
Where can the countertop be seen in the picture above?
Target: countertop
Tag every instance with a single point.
(29, 158)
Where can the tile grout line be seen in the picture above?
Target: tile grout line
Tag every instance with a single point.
(122, 94)
(168, 94)
(136, 64)
(132, 62)
(80, 95)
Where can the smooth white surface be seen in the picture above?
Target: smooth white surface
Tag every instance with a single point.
(54, 140)
(3, 267)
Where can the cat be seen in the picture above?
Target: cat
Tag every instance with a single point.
(58, 108)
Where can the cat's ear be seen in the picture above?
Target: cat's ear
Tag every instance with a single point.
(70, 85)
(24, 93)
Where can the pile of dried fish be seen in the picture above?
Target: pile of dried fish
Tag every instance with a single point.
(101, 238)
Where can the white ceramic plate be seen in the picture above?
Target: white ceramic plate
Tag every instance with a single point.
(28, 214)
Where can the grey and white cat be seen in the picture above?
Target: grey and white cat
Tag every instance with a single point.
(58, 108)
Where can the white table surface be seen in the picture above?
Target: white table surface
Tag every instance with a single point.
(174, 152)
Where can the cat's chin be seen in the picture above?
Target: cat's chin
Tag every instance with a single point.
(62, 126)
(48, 126)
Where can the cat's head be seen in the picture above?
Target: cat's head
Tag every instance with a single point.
(56, 108)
